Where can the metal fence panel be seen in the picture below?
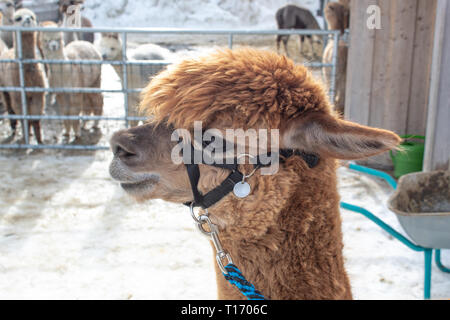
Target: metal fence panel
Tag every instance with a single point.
(127, 66)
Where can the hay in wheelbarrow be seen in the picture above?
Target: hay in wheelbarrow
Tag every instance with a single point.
(422, 206)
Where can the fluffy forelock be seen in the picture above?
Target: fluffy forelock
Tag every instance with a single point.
(247, 86)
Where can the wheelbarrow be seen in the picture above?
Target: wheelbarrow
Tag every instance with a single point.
(422, 205)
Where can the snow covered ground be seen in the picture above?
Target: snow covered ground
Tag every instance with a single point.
(230, 14)
(67, 231)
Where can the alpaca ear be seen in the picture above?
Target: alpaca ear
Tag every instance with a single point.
(330, 137)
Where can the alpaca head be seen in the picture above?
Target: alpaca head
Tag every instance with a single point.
(337, 16)
(50, 42)
(244, 90)
(110, 46)
(25, 18)
(7, 8)
(65, 4)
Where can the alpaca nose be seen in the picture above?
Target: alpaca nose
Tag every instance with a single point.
(122, 147)
(104, 56)
(53, 46)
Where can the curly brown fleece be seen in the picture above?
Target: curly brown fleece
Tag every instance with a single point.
(286, 236)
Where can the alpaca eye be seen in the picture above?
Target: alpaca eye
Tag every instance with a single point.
(113, 49)
(8, 5)
(18, 19)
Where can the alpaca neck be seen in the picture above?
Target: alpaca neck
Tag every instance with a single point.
(73, 21)
(55, 55)
(300, 256)
(29, 45)
(119, 68)
(59, 73)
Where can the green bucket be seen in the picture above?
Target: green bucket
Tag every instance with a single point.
(410, 158)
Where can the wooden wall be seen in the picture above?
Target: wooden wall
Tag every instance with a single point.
(388, 77)
(437, 148)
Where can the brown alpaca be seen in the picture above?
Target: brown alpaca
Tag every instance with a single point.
(337, 16)
(346, 3)
(33, 74)
(286, 235)
(73, 76)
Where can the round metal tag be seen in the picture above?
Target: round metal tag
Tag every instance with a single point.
(242, 190)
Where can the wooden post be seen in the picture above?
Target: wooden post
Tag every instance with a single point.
(437, 149)
(389, 68)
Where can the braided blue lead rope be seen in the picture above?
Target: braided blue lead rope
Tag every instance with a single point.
(236, 278)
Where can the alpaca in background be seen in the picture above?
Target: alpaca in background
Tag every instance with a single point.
(3, 46)
(293, 17)
(70, 16)
(337, 16)
(8, 9)
(73, 76)
(33, 74)
(138, 76)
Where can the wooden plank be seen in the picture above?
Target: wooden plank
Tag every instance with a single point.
(437, 149)
(394, 46)
(359, 70)
(381, 75)
(421, 71)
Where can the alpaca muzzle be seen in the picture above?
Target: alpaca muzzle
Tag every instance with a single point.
(53, 45)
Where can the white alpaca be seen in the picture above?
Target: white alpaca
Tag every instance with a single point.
(138, 76)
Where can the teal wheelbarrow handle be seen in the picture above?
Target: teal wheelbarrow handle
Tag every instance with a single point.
(428, 253)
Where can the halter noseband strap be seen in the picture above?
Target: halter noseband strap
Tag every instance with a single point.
(235, 177)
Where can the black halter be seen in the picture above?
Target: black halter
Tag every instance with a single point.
(235, 177)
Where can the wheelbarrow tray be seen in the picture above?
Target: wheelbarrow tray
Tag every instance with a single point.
(422, 205)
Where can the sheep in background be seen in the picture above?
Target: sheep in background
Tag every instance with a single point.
(138, 76)
(337, 16)
(293, 17)
(33, 74)
(73, 76)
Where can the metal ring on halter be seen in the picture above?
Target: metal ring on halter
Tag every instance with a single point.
(197, 220)
(254, 171)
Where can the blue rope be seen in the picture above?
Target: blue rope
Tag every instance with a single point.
(236, 278)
